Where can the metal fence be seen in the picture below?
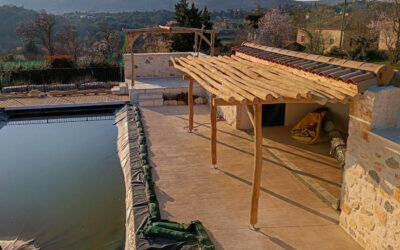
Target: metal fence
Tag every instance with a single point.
(60, 79)
(59, 120)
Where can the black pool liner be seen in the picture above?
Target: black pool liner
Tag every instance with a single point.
(151, 231)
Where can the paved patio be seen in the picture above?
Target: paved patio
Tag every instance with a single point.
(290, 215)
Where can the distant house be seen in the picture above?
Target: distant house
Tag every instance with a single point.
(330, 38)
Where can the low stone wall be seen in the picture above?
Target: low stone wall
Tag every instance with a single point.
(153, 64)
(371, 184)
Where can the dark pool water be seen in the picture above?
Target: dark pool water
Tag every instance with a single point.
(62, 185)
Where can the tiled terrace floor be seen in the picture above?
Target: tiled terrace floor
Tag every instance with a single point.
(290, 215)
(61, 101)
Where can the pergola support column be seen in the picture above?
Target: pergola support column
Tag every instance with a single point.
(190, 102)
(133, 68)
(213, 112)
(257, 164)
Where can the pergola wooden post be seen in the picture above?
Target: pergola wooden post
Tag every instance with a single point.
(196, 42)
(213, 112)
(190, 102)
(257, 164)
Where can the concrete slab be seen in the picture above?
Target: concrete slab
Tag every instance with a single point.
(290, 215)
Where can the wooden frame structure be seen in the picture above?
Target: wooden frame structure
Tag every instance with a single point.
(133, 34)
(254, 77)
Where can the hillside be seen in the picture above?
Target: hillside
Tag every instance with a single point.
(88, 26)
(62, 6)
(10, 16)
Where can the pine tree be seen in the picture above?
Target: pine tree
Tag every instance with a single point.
(189, 17)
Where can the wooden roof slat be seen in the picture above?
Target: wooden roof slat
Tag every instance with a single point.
(219, 78)
(212, 82)
(203, 82)
(277, 90)
(254, 90)
(281, 90)
(295, 80)
(275, 84)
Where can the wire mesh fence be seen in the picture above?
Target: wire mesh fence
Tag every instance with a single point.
(60, 79)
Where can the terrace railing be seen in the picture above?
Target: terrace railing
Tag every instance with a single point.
(60, 79)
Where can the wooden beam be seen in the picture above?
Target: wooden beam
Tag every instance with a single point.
(169, 30)
(190, 102)
(212, 51)
(164, 27)
(205, 39)
(257, 164)
(213, 112)
(196, 42)
(222, 102)
(250, 113)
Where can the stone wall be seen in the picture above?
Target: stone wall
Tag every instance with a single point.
(370, 205)
(153, 64)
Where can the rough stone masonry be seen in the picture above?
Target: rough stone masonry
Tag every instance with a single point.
(370, 206)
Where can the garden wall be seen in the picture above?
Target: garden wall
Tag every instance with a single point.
(370, 205)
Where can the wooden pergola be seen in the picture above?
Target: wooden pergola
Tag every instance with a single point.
(247, 80)
(131, 35)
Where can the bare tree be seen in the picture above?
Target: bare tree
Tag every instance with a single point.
(68, 41)
(316, 41)
(359, 35)
(275, 27)
(109, 44)
(40, 30)
(387, 26)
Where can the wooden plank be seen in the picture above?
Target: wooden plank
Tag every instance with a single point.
(172, 30)
(250, 113)
(202, 82)
(222, 102)
(218, 76)
(196, 42)
(210, 81)
(274, 87)
(213, 112)
(254, 89)
(286, 82)
(257, 164)
(190, 102)
(164, 27)
(205, 39)
(212, 44)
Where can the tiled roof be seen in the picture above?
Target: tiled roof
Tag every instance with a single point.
(346, 74)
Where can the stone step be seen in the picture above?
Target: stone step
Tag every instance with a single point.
(119, 91)
(151, 102)
(150, 95)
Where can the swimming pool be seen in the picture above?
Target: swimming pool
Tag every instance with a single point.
(61, 182)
